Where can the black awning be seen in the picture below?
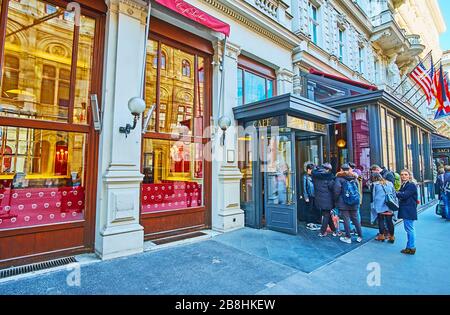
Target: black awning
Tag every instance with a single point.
(287, 104)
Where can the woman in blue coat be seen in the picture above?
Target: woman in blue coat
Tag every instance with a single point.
(408, 208)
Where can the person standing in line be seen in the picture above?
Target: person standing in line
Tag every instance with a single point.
(359, 174)
(347, 197)
(408, 209)
(440, 189)
(323, 181)
(308, 195)
(379, 209)
(446, 193)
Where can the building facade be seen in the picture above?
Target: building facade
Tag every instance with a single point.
(71, 184)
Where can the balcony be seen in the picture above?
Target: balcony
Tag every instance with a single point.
(412, 48)
(386, 33)
(269, 7)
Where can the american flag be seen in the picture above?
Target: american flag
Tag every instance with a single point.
(424, 78)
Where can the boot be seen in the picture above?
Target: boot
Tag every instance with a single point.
(408, 251)
(380, 237)
(391, 239)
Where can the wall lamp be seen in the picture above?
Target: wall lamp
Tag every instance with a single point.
(136, 105)
(224, 122)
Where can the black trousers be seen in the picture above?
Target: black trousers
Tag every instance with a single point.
(382, 218)
(351, 215)
(312, 215)
(327, 220)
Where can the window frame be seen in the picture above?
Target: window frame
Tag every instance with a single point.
(253, 67)
(314, 23)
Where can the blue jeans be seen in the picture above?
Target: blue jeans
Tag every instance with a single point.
(409, 228)
(446, 212)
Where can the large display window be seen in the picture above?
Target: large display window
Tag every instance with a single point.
(47, 145)
(173, 164)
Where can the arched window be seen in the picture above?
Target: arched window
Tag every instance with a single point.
(186, 68)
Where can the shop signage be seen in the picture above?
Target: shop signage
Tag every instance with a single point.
(442, 150)
(269, 122)
(306, 125)
(196, 15)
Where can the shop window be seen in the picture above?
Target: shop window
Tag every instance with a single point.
(173, 175)
(388, 136)
(42, 178)
(427, 156)
(43, 166)
(255, 81)
(361, 141)
(186, 68)
(408, 147)
(10, 82)
(174, 170)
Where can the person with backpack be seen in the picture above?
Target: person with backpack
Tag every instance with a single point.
(347, 198)
(380, 210)
(407, 211)
(323, 181)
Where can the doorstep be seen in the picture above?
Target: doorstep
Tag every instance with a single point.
(207, 234)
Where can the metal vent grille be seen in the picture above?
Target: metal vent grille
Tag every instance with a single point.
(14, 271)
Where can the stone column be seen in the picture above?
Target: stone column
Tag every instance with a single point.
(118, 231)
(227, 214)
(284, 81)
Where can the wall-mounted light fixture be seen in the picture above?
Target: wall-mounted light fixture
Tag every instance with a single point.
(224, 122)
(136, 105)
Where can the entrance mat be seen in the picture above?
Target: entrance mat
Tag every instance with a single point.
(305, 251)
(177, 238)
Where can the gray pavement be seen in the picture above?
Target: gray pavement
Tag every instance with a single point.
(234, 263)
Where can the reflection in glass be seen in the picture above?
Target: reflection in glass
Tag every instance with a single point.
(361, 138)
(150, 81)
(38, 58)
(84, 69)
(254, 87)
(173, 175)
(42, 177)
(278, 170)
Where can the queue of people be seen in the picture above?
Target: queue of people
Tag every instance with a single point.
(393, 196)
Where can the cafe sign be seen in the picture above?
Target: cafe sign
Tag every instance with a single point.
(306, 125)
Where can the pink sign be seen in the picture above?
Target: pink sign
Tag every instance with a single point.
(196, 15)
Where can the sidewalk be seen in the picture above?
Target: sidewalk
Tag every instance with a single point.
(219, 266)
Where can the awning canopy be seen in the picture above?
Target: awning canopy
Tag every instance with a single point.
(342, 79)
(439, 141)
(287, 104)
(196, 15)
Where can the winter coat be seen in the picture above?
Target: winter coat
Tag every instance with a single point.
(446, 181)
(308, 187)
(407, 196)
(341, 178)
(323, 189)
(379, 198)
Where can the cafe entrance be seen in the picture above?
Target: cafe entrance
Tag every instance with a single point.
(274, 146)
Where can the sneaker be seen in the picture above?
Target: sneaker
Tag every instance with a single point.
(347, 240)
(359, 239)
(337, 233)
(323, 235)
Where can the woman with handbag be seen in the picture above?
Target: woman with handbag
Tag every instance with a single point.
(381, 211)
(408, 208)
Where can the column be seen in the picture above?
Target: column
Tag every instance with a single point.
(227, 214)
(118, 231)
(284, 81)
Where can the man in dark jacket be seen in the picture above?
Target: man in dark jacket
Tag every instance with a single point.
(323, 181)
(344, 178)
(446, 192)
(311, 214)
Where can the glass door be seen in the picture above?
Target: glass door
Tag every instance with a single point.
(278, 166)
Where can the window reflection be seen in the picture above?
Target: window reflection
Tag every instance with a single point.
(173, 173)
(43, 47)
(41, 178)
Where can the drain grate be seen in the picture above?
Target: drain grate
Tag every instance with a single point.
(14, 271)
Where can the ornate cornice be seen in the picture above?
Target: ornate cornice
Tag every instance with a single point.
(134, 8)
(252, 25)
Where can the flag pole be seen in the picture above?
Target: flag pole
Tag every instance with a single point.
(406, 77)
(415, 83)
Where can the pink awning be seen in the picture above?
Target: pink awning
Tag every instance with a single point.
(196, 15)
